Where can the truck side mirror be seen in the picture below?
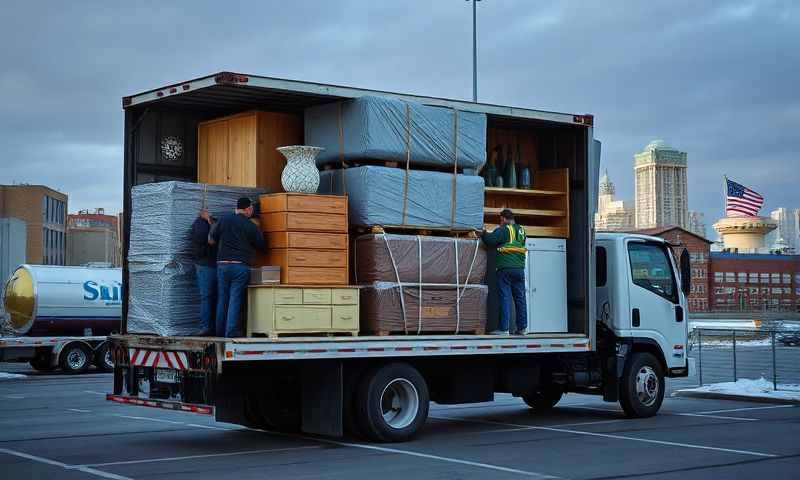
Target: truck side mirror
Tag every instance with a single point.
(686, 273)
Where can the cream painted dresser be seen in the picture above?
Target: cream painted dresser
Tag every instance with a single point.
(288, 310)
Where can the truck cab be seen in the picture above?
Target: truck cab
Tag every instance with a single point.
(641, 312)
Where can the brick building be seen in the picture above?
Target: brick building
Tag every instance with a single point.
(754, 282)
(700, 258)
(44, 212)
(93, 237)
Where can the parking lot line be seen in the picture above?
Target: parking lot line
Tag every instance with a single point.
(47, 461)
(193, 457)
(521, 429)
(149, 419)
(620, 437)
(703, 415)
(746, 409)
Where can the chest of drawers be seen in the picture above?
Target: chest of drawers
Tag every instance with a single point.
(275, 310)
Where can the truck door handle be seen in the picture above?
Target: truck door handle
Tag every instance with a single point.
(636, 321)
(678, 313)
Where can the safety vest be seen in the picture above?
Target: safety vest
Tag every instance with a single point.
(516, 240)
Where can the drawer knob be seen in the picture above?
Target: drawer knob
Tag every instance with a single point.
(284, 317)
(346, 297)
(346, 318)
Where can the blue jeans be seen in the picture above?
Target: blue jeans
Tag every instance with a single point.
(511, 283)
(232, 279)
(207, 285)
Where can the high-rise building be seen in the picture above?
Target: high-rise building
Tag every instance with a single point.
(44, 212)
(612, 215)
(786, 235)
(697, 223)
(660, 186)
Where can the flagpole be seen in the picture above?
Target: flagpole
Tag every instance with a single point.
(725, 179)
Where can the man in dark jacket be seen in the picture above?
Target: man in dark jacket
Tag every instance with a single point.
(237, 239)
(509, 239)
(205, 265)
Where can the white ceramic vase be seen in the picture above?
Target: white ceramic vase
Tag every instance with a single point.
(300, 175)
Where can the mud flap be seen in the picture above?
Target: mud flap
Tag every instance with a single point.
(322, 396)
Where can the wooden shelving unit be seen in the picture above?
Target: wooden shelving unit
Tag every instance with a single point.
(543, 210)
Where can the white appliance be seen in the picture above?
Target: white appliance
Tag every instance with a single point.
(546, 284)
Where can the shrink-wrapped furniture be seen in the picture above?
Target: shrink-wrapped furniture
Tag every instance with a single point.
(413, 198)
(414, 284)
(419, 259)
(379, 128)
(397, 309)
(162, 285)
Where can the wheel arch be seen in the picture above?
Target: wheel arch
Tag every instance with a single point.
(648, 345)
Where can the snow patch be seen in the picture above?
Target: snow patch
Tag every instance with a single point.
(11, 376)
(761, 388)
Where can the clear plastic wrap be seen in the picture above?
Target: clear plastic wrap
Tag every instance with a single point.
(411, 309)
(380, 196)
(419, 259)
(162, 288)
(379, 128)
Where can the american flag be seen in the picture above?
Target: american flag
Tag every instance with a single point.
(741, 201)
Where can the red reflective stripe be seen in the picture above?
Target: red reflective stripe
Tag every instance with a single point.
(430, 348)
(484, 347)
(167, 359)
(143, 361)
(179, 356)
(580, 345)
(135, 357)
(157, 359)
(375, 349)
(251, 352)
(508, 346)
(459, 347)
(403, 349)
(317, 350)
(533, 345)
(347, 350)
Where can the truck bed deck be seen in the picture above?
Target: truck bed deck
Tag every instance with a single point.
(285, 348)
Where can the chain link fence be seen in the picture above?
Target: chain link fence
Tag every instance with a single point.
(729, 355)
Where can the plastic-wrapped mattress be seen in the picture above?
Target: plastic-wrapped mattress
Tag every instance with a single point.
(163, 295)
(379, 128)
(419, 259)
(395, 196)
(405, 309)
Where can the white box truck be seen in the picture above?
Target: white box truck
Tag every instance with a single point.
(621, 301)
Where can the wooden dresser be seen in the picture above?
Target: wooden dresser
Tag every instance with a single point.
(307, 237)
(275, 310)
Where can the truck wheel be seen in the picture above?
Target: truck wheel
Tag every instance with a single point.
(75, 358)
(544, 399)
(103, 359)
(642, 386)
(392, 403)
(43, 363)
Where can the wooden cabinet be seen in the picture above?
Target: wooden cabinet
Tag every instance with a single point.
(291, 310)
(306, 237)
(240, 150)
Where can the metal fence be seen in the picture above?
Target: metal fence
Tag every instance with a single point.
(728, 355)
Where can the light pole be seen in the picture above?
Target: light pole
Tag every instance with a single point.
(474, 49)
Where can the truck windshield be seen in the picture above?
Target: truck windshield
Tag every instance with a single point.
(650, 269)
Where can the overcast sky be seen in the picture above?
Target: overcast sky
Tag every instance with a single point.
(719, 80)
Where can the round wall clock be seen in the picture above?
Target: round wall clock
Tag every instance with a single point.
(172, 148)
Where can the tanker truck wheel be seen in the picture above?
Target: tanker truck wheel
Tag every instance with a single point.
(75, 358)
(103, 359)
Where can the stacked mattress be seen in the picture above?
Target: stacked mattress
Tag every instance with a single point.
(163, 295)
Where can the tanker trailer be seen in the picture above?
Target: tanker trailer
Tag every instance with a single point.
(60, 316)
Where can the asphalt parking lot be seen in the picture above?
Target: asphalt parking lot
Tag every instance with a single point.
(56, 426)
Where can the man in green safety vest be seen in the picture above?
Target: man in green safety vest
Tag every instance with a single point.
(509, 239)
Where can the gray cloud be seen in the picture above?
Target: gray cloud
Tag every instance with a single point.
(716, 79)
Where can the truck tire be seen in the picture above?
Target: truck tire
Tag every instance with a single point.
(103, 359)
(392, 403)
(544, 399)
(75, 358)
(641, 386)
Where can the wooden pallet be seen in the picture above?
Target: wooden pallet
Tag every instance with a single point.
(411, 331)
(284, 334)
(416, 230)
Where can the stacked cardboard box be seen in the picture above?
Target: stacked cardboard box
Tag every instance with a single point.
(307, 237)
